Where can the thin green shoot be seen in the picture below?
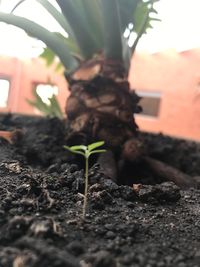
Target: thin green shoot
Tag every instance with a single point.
(86, 152)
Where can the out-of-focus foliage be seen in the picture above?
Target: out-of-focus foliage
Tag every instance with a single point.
(92, 27)
(52, 109)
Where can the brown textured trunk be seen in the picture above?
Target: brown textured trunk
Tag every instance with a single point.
(101, 106)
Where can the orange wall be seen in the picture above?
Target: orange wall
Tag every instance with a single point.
(175, 75)
(24, 74)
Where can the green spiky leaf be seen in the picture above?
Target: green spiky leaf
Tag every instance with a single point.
(144, 9)
(80, 147)
(74, 14)
(112, 29)
(53, 41)
(95, 145)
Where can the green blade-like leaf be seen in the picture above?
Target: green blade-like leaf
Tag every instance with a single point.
(56, 15)
(71, 44)
(70, 41)
(142, 19)
(52, 110)
(95, 145)
(50, 39)
(52, 10)
(74, 151)
(97, 151)
(93, 17)
(73, 13)
(80, 147)
(17, 5)
(49, 56)
(126, 9)
(39, 104)
(143, 10)
(112, 29)
(55, 107)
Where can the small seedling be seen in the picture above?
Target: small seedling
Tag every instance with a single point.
(86, 152)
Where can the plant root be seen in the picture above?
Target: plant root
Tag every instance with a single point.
(170, 173)
(12, 136)
(108, 165)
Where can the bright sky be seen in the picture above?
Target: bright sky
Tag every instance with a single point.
(179, 28)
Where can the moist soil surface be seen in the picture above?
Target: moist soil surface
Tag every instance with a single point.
(41, 192)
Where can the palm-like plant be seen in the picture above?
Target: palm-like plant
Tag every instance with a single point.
(91, 26)
(96, 57)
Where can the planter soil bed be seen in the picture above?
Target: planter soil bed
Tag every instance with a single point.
(153, 224)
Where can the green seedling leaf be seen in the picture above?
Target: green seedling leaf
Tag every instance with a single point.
(87, 151)
(95, 145)
(74, 151)
(81, 147)
(97, 151)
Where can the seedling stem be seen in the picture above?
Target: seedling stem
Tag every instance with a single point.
(86, 151)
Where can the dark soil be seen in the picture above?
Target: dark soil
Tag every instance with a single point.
(156, 224)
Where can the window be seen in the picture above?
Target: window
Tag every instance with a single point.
(150, 103)
(4, 92)
(46, 91)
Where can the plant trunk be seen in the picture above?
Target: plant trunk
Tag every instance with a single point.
(101, 107)
(101, 104)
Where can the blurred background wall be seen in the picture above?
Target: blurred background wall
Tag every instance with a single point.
(168, 82)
